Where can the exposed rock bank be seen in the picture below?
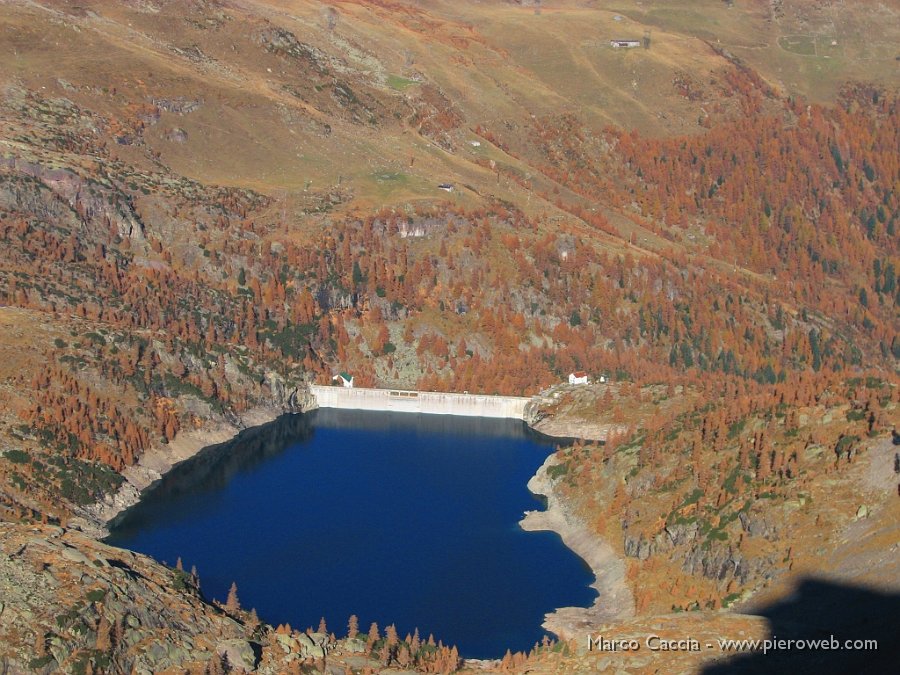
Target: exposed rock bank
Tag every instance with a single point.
(566, 427)
(614, 598)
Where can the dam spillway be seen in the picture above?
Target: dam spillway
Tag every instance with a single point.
(426, 402)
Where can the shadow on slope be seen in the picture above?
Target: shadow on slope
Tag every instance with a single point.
(817, 610)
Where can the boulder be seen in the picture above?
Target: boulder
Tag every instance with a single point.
(239, 654)
(309, 648)
(288, 643)
(176, 135)
(355, 646)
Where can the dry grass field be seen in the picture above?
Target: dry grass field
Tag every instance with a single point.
(383, 105)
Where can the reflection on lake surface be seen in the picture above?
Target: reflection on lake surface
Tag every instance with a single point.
(397, 518)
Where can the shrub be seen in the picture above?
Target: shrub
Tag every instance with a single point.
(17, 456)
(556, 470)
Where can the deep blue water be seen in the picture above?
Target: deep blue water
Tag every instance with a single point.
(397, 518)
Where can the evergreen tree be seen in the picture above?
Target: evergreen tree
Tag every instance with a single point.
(232, 604)
(373, 636)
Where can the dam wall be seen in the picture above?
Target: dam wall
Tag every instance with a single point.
(427, 402)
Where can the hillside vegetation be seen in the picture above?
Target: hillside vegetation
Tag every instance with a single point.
(204, 206)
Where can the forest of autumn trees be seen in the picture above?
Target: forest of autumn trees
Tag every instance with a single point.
(693, 494)
(177, 290)
(741, 282)
(803, 192)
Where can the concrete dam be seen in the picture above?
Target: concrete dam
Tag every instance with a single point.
(427, 402)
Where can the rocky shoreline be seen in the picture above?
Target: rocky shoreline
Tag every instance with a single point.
(564, 427)
(614, 598)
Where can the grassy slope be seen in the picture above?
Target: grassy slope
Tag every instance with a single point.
(498, 64)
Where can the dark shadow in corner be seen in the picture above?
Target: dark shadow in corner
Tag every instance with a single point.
(214, 467)
(817, 610)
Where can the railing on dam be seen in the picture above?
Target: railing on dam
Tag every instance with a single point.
(427, 402)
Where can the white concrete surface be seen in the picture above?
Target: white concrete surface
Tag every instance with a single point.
(428, 402)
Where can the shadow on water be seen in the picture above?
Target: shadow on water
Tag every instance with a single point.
(422, 424)
(817, 610)
(215, 466)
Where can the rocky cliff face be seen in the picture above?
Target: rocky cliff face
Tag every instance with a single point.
(70, 600)
(86, 200)
(698, 556)
(279, 394)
